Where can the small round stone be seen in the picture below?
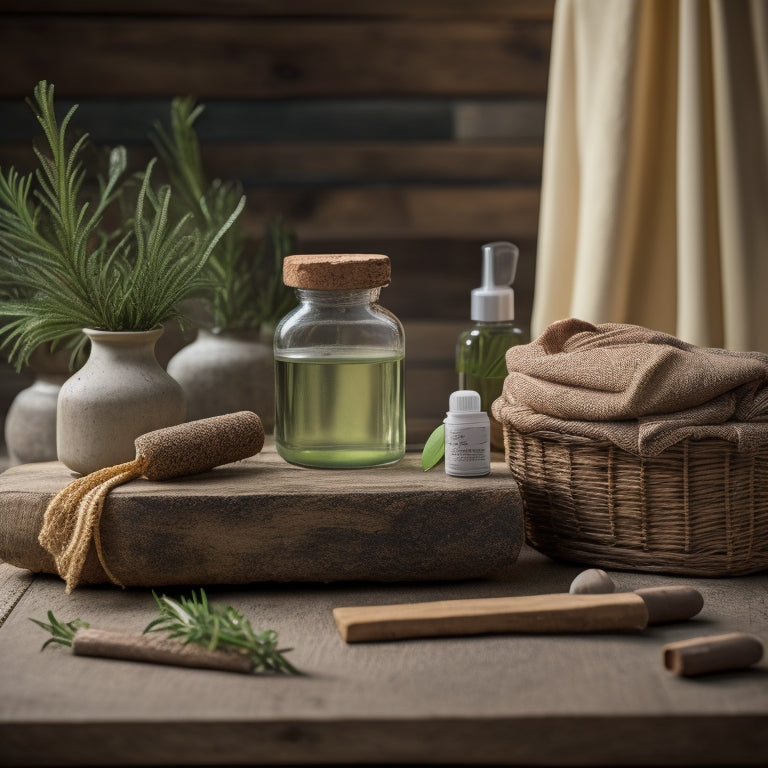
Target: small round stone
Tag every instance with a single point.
(595, 581)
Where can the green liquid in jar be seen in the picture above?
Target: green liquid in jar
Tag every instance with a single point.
(339, 411)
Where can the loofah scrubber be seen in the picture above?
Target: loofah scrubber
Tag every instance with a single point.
(72, 517)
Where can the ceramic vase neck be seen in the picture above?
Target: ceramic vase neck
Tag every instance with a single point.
(123, 343)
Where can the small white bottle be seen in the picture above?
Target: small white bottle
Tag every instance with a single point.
(467, 436)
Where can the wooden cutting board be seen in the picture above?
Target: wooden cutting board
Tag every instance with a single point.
(263, 519)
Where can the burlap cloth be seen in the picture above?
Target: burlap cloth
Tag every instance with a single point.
(637, 388)
(73, 517)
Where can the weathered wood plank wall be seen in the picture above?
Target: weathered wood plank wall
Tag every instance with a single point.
(408, 128)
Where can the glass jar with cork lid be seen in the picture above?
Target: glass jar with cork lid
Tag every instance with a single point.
(339, 365)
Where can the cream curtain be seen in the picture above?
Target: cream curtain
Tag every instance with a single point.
(654, 206)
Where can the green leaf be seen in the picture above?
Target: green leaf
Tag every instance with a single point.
(434, 449)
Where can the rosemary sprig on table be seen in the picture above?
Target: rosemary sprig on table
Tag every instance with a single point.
(222, 636)
(195, 620)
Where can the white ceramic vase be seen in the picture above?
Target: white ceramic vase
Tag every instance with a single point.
(120, 393)
(30, 425)
(227, 372)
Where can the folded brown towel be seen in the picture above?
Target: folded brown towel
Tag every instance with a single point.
(640, 389)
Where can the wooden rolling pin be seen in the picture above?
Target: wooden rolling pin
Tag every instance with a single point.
(547, 614)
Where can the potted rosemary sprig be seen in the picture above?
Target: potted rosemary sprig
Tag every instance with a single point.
(245, 289)
(229, 366)
(80, 278)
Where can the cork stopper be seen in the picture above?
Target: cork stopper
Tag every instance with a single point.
(336, 271)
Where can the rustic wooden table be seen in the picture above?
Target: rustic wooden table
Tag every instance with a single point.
(519, 700)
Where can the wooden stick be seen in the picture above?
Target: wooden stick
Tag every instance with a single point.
(156, 649)
(529, 613)
(716, 653)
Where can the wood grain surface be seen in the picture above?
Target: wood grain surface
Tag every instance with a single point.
(496, 9)
(524, 700)
(272, 57)
(263, 519)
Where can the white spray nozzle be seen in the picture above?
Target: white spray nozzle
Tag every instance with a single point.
(499, 264)
(494, 301)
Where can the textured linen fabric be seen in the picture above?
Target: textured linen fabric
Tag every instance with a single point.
(654, 206)
(640, 389)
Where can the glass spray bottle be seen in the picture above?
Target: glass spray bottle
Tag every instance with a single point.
(481, 350)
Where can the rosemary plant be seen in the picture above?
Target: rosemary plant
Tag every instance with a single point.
(195, 620)
(69, 270)
(245, 287)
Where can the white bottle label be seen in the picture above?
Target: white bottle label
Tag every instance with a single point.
(467, 450)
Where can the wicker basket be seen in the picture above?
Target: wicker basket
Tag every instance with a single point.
(699, 509)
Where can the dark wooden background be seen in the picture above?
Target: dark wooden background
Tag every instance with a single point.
(407, 127)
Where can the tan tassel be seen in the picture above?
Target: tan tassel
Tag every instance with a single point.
(72, 518)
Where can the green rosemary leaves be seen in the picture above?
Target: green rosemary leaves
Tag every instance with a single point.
(245, 282)
(62, 633)
(189, 621)
(195, 620)
(77, 255)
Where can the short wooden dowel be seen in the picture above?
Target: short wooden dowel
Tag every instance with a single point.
(528, 613)
(715, 653)
(156, 649)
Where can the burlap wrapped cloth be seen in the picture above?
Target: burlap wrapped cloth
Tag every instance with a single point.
(640, 389)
